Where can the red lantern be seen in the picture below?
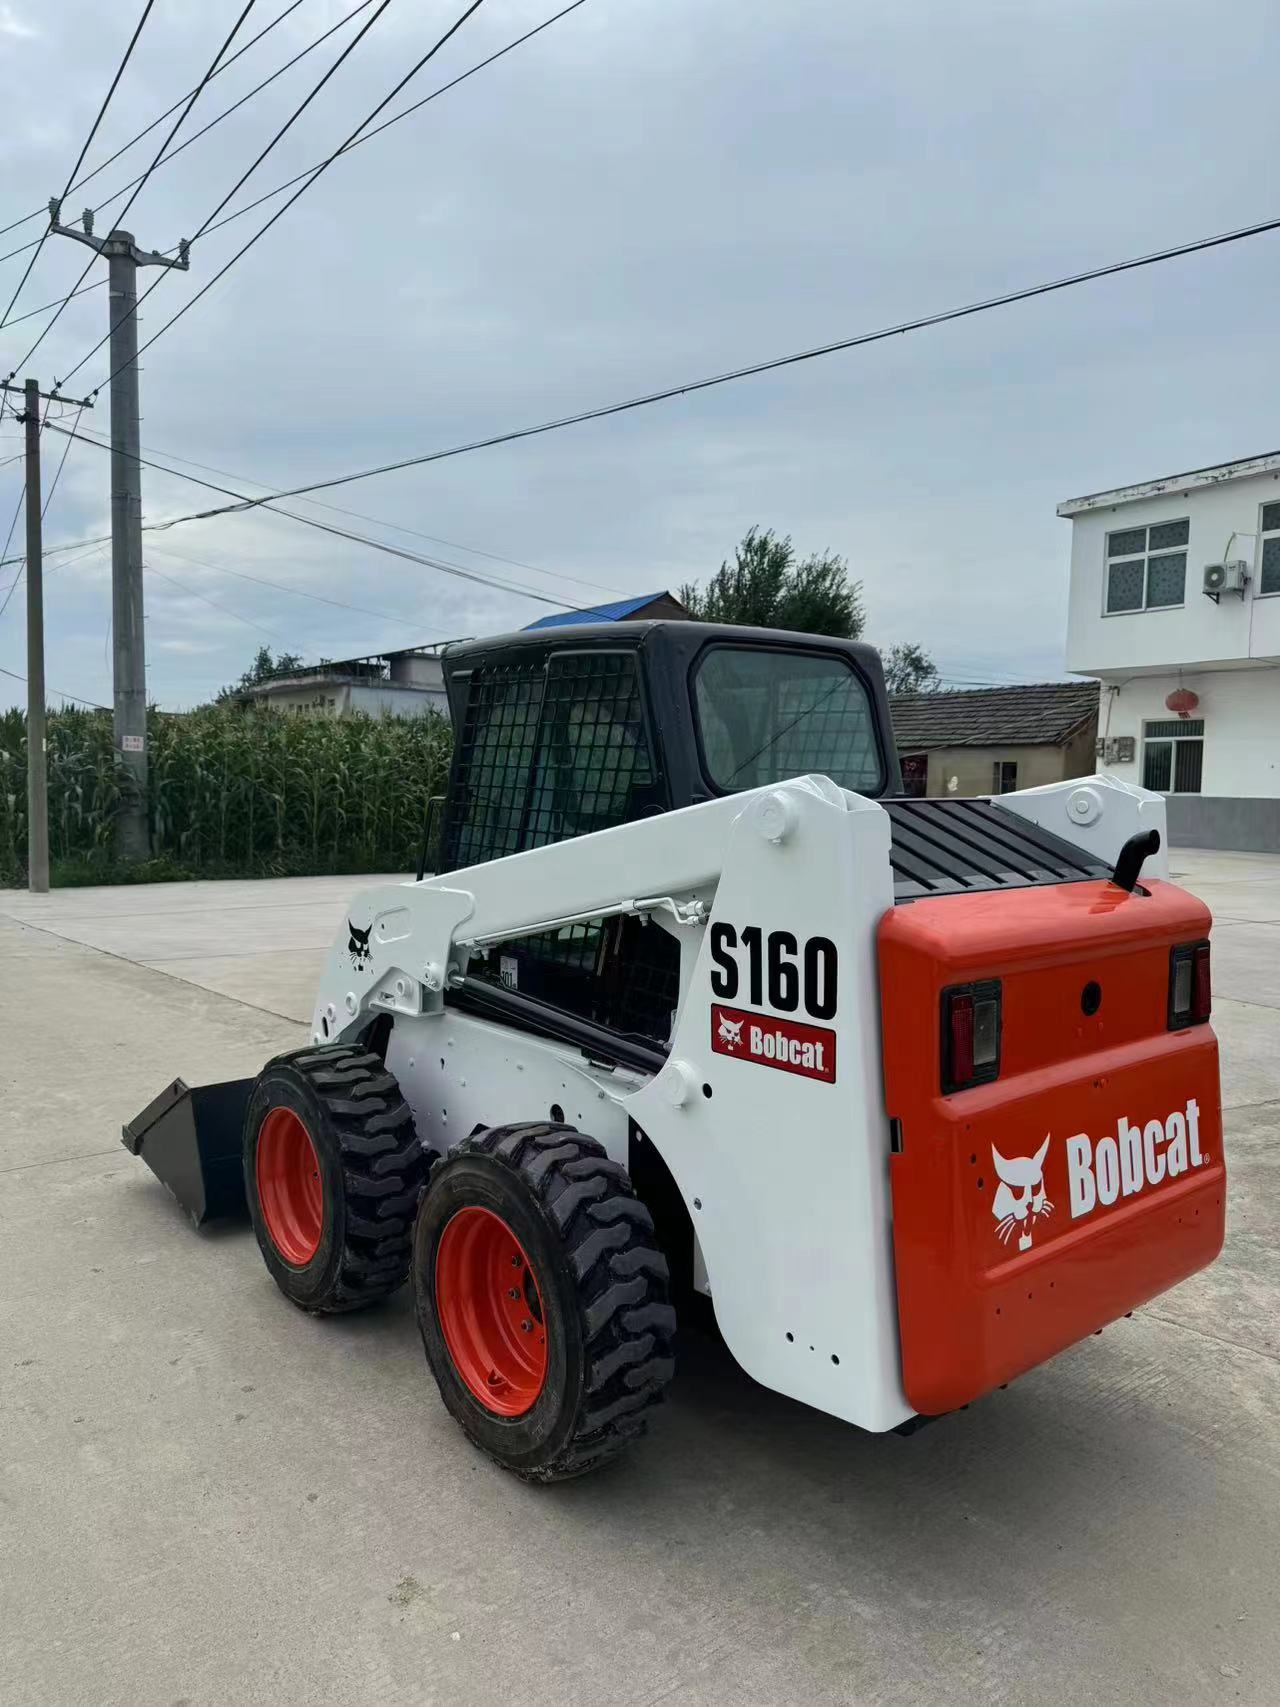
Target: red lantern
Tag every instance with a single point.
(1183, 701)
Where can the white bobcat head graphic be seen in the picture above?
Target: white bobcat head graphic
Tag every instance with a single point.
(1020, 1197)
(730, 1031)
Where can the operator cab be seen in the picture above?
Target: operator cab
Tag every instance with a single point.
(560, 732)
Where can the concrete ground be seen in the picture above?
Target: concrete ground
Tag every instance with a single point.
(206, 1497)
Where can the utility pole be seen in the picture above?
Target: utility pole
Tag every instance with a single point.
(37, 767)
(129, 670)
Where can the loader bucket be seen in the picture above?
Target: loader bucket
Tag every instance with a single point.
(190, 1138)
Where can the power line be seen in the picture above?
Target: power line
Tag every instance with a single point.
(280, 212)
(281, 587)
(140, 183)
(418, 557)
(213, 603)
(249, 207)
(395, 118)
(93, 131)
(53, 487)
(244, 176)
(747, 372)
(376, 521)
(74, 697)
(225, 114)
(40, 212)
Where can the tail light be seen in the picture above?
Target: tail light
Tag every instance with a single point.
(970, 1035)
(1190, 985)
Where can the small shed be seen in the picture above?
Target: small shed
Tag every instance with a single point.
(647, 607)
(995, 740)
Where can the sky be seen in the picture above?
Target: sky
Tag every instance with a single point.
(648, 192)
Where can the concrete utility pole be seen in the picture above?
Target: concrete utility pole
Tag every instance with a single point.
(128, 637)
(37, 768)
(37, 771)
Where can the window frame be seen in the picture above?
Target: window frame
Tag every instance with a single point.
(842, 658)
(1145, 557)
(1264, 534)
(1172, 740)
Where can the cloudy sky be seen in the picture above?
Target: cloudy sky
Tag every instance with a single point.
(650, 191)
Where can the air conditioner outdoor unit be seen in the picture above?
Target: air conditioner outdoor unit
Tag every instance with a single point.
(1222, 578)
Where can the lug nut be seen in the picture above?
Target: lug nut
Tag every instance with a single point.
(513, 1292)
(526, 1327)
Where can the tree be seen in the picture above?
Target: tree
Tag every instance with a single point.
(263, 669)
(767, 586)
(909, 669)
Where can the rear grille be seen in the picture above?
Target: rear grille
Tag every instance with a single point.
(955, 847)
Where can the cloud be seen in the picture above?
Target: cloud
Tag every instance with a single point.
(13, 26)
(640, 196)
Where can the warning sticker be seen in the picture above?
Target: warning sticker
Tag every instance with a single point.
(132, 743)
(809, 1050)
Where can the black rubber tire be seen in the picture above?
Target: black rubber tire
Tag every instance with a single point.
(603, 1285)
(373, 1168)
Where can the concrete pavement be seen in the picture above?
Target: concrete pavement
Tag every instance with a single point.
(206, 1497)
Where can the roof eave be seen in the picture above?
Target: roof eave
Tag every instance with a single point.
(1195, 478)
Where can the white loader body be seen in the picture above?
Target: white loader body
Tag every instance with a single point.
(769, 1111)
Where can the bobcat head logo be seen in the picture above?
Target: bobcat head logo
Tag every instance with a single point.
(1020, 1197)
(358, 947)
(730, 1032)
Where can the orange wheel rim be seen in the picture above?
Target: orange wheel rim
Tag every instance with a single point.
(290, 1190)
(490, 1311)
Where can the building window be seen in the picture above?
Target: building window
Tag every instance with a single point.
(915, 774)
(1147, 567)
(1004, 776)
(1173, 755)
(1269, 569)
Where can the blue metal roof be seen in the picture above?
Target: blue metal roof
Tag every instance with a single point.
(616, 611)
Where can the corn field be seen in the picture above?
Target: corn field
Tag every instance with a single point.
(231, 793)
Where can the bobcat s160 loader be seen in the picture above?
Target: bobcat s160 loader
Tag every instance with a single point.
(920, 1092)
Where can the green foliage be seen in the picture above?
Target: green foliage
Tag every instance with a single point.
(231, 794)
(909, 669)
(767, 586)
(263, 669)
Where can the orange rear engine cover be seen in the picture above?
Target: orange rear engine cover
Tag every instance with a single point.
(1088, 1176)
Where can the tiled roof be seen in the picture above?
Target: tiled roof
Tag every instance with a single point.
(1042, 714)
(618, 610)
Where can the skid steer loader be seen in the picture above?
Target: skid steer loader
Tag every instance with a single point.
(918, 1091)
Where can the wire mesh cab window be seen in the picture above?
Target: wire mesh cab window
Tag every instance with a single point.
(550, 747)
(765, 715)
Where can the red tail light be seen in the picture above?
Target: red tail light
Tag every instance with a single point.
(1190, 985)
(970, 1035)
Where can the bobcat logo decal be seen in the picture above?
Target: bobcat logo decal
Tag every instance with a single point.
(358, 947)
(731, 1032)
(1020, 1197)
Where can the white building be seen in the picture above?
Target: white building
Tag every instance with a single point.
(407, 683)
(1150, 615)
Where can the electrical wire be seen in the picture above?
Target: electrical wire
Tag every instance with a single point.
(212, 603)
(375, 521)
(53, 485)
(395, 118)
(225, 114)
(93, 131)
(140, 183)
(249, 207)
(40, 212)
(293, 118)
(751, 370)
(74, 697)
(325, 164)
(421, 558)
